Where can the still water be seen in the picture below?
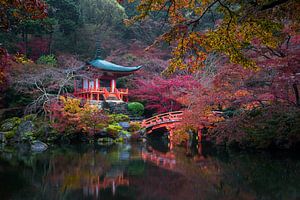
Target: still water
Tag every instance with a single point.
(146, 171)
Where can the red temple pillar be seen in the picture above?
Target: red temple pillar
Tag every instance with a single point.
(75, 87)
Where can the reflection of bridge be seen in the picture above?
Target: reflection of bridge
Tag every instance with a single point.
(165, 120)
(163, 160)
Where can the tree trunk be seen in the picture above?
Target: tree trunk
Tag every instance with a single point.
(50, 44)
(296, 91)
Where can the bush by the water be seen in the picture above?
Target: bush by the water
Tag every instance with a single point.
(113, 130)
(136, 108)
(267, 127)
(134, 126)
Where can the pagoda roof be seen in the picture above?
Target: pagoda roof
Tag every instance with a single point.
(108, 66)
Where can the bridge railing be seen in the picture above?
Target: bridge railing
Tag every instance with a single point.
(162, 118)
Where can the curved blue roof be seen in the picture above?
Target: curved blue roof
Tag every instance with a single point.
(108, 66)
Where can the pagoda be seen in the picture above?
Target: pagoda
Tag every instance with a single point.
(99, 84)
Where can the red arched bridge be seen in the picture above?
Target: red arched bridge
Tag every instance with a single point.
(165, 120)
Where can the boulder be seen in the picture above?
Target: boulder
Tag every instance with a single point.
(124, 125)
(2, 137)
(10, 124)
(38, 146)
(26, 126)
(23, 129)
(7, 126)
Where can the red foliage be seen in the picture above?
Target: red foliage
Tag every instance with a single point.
(240, 89)
(69, 116)
(4, 68)
(164, 95)
(35, 47)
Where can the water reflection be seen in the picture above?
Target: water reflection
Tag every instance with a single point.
(146, 171)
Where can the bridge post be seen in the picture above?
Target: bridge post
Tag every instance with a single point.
(199, 135)
(171, 135)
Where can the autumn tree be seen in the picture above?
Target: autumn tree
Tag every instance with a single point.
(236, 25)
(164, 95)
(11, 14)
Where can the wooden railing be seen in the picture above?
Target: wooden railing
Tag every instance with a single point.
(123, 91)
(105, 93)
(117, 93)
(162, 118)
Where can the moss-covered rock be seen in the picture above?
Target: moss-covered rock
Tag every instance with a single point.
(116, 118)
(10, 124)
(113, 130)
(9, 134)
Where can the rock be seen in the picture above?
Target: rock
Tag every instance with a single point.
(10, 124)
(2, 137)
(23, 130)
(26, 126)
(124, 125)
(38, 146)
(106, 141)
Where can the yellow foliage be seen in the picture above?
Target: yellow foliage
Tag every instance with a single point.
(71, 105)
(21, 58)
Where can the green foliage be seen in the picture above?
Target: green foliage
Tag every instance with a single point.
(102, 11)
(113, 130)
(10, 134)
(10, 124)
(30, 117)
(116, 118)
(47, 60)
(136, 108)
(134, 126)
(125, 132)
(28, 136)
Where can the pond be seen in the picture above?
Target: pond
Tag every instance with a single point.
(146, 171)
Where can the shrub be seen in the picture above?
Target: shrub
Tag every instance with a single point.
(21, 58)
(10, 134)
(116, 118)
(261, 128)
(134, 126)
(10, 124)
(47, 60)
(113, 130)
(136, 108)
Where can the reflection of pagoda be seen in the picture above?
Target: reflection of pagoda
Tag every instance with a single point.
(94, 187)
(101, 85)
